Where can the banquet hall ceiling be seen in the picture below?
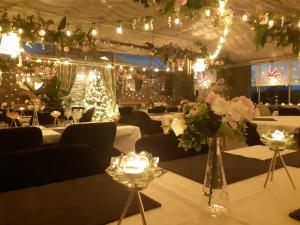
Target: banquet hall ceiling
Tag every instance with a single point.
(239, 45)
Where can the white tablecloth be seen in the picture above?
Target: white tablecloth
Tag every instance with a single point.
(76, 202)
(126, 136)
(288, 123)
(165, 119)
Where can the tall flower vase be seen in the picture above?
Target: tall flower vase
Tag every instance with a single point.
(35, 118)
(215, 196)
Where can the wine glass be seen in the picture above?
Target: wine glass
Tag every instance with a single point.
(68, 113)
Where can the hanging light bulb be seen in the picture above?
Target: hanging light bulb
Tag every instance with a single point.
(20, 31)
(245, 18)
(222, 40)
(271, 23)
(156, 69)
(68, 33)
(146, 26)
(221, 6)
(177, 21)
(131, 69)
(226, 31)
(119, 29)
(207, 12)
(42, 32)
(144, 69)
(94, 31)
(10, 44)
(299, 24)
(168, 69)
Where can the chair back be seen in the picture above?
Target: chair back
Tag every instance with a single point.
(263, 110)
(125, 110)
(251, 135)
(100, 136)
(12, 139)
(146, 124)
(158, 109)
(284, 111)
(40, 166)
(165, 146)
(88, 116)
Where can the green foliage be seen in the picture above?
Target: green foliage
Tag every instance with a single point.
(31, 26)
(199, 126)
(203, 124)
(62, 24)
(51, 93)
(284, 32)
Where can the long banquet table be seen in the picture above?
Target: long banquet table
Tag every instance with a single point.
(126, 136)
(75, 202)
(289, 123)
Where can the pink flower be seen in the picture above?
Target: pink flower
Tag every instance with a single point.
(237, 110)
(211, 97)
(228, 119)
(220, 106)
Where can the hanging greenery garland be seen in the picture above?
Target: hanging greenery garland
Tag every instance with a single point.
(38, 30)
(281, 30)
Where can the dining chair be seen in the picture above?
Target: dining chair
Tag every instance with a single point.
(284, 111)
(125, 110)
(143, 121)
(88, 115)
(165, 146)
(158, 109)
(100, 136)
(45, 165)
(12, 139)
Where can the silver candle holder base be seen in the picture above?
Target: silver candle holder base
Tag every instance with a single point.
(273, 165)
(134, 192)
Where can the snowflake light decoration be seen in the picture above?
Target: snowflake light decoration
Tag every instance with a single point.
(273, 73)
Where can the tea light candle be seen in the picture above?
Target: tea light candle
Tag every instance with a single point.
(278, 135)
(136, 165)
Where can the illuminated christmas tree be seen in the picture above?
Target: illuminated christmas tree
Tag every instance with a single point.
(99, 96)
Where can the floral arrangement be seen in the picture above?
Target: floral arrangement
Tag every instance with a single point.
(8, 105)
(215, 117)
(282, 31)
(35, 104)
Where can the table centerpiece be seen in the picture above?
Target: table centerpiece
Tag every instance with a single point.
(212, 119)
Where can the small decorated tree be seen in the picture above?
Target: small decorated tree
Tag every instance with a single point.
(99, 96)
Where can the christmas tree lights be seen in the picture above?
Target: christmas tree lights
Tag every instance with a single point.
(99, 96)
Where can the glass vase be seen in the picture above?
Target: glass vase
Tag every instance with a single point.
(35, 118)
(215, 195)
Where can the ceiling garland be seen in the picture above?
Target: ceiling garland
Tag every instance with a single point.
(283, 30)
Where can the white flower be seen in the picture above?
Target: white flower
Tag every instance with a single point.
(237, 110)
(220, 106)
(30, 107)
(3, 105)
(178, 125)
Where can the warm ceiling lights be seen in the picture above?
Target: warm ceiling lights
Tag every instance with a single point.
(207, 12)
(68, 33)
(119, 30)
(42, 32)
(146, 26)
(245, 18)
(10, 44)
(94, 32)
(177, 21)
